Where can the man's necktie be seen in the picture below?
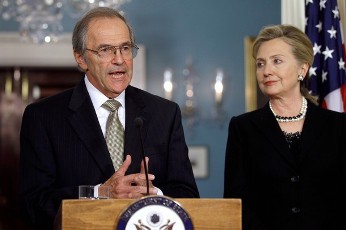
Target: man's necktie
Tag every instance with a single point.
(114, 133)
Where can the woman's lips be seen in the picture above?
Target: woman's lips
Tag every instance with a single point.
(269, 83)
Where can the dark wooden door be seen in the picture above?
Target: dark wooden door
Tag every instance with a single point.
(19, 87)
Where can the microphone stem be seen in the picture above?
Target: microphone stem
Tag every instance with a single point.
(145, 163)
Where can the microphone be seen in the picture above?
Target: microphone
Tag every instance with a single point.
(139, 123)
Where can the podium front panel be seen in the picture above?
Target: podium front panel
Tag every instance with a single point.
(104, 214)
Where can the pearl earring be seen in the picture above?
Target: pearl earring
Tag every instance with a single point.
(300, 77)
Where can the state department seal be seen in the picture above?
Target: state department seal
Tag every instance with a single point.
(154, 213)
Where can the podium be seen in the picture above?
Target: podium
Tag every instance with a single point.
(104, 214)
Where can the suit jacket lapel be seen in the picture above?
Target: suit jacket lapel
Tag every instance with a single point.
(135, 107)
(271, 130)
(84, 121)
(310, 130)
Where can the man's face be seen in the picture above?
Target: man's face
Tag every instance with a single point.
(113, 73)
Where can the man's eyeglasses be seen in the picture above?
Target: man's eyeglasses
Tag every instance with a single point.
(128, 51)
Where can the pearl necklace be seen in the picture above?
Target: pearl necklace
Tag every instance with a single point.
(298, 117)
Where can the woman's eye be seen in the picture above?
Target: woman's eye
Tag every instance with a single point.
(259, 64)
(277, 61)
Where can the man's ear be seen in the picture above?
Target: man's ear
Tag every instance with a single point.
(80, 60)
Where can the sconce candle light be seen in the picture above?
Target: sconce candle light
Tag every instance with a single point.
(218, 87)
(168, 84)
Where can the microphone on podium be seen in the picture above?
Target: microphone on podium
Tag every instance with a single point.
(139, 123)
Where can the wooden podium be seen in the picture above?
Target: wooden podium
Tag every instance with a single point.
(104, 214)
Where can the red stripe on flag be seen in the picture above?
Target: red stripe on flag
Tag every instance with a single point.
(343, 95)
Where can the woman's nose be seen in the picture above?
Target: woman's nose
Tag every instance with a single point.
(267, 70)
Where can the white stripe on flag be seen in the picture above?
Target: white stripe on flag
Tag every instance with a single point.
(334, 101)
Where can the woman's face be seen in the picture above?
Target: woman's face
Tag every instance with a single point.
(277, 69)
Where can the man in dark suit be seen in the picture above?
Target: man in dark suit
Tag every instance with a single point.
(63, 137)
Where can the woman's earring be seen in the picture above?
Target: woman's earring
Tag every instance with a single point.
(300, 77)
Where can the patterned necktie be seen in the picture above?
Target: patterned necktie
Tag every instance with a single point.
(114, 133)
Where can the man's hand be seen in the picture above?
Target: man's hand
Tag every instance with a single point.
(129, 186)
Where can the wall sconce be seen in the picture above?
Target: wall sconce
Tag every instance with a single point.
(218, 113)
(189, 109)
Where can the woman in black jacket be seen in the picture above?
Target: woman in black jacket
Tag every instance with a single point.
(287, 160)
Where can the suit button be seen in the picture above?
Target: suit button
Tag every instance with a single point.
(295, 179)
(296, 210)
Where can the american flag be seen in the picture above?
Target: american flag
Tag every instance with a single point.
(327, 74)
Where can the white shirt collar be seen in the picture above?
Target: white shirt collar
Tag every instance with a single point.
(99, 98)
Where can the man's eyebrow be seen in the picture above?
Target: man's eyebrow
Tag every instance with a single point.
(108, 45)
